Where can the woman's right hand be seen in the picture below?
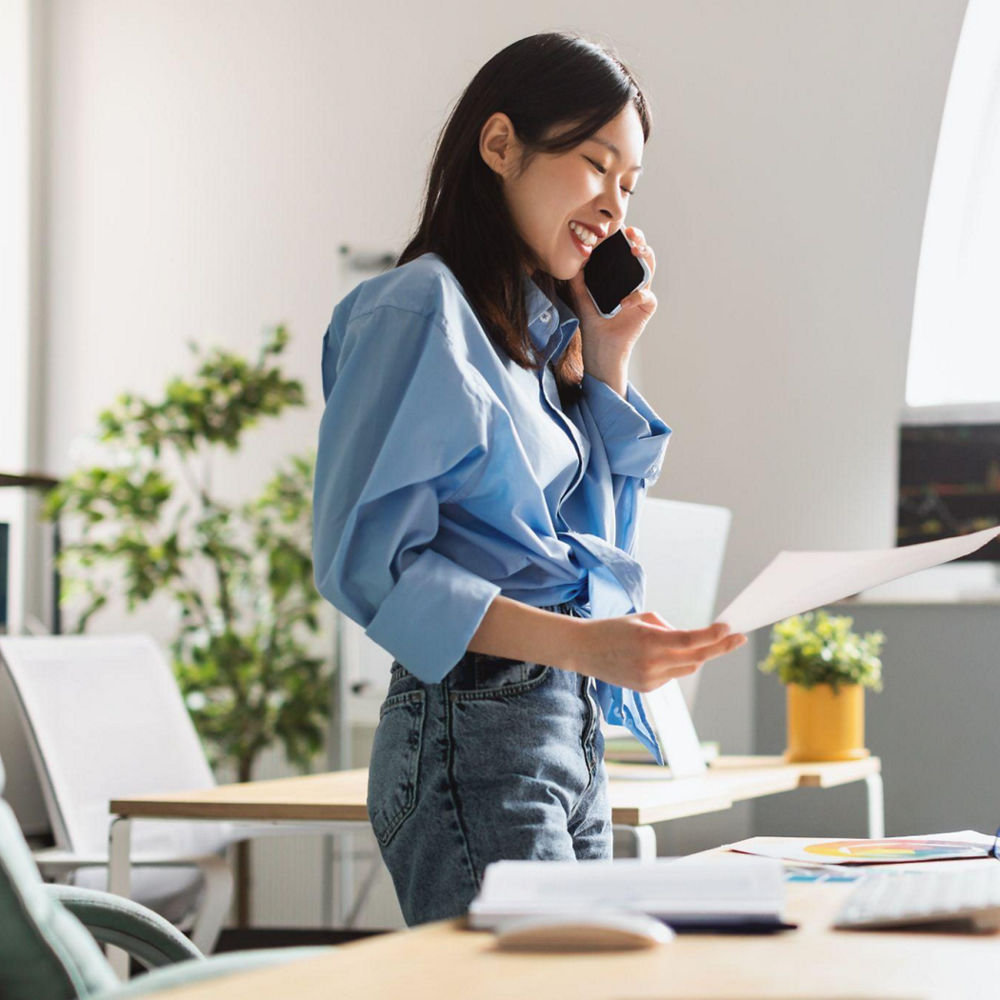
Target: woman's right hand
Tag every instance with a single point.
(642, 652)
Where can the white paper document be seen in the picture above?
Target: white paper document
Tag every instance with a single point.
(726, 891)
(890, 850)
(795, 582)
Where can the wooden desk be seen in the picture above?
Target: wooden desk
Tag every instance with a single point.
(639, 795)
(443, 961)
(637, 801)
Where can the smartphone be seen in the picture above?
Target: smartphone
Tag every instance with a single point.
(612, 273)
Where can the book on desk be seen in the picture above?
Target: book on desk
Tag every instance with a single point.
(720, 893)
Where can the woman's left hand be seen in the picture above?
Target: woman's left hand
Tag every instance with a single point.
(608, 342)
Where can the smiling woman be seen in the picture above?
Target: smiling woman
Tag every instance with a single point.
(566, 203)
(550, 131)
(481, 466)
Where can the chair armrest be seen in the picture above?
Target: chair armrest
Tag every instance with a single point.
(228, 964)
(134, 928)
(54, 859)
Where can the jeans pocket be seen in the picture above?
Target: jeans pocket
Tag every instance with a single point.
(395, 763)
(499, 677)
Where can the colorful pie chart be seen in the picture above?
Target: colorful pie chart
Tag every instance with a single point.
(894, 850)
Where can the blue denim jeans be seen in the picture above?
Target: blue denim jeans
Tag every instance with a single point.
(501, 760)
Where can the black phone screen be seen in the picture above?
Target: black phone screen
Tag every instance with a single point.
(612, 272)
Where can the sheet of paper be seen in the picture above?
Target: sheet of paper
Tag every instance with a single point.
(899, 850)
(795, 582)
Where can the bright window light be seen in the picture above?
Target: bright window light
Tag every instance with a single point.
(955, 341)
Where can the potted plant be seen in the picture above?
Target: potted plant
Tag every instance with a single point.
(149, 523)
(826, 668)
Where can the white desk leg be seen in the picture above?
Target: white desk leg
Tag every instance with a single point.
(876, 806)
(645, 843)
(120, 881)
(644, 838)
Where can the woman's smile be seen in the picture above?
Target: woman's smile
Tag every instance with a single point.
(583, 238)
(593, 180)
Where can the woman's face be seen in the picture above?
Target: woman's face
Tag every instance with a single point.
(587, 187)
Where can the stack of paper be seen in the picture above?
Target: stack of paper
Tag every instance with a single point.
(727, 892)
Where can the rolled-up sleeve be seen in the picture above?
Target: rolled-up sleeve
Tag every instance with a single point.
(634, 437)
(404, 429)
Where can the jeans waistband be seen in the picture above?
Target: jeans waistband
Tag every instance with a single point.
(562, 609)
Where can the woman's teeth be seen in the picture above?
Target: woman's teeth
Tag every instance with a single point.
(584, 235)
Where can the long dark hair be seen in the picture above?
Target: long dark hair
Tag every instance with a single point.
(539, 82)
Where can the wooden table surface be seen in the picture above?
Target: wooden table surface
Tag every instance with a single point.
(640, 793)
(444, 961)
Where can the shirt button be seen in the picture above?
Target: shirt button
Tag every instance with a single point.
(546, 316)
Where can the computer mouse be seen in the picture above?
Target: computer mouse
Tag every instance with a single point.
(604, 931)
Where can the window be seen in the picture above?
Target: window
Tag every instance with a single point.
(955, 340)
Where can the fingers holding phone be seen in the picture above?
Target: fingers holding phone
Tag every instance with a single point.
(613, 272)
(612, 295)
(640, 248)
(613, 301)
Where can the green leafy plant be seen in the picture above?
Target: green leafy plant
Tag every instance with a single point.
(815, 648)
(147, 524)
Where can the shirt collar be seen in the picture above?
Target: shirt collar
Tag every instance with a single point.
(551, 325)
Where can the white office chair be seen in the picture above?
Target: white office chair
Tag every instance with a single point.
(104, 719)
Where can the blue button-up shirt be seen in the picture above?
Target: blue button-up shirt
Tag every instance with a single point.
(447, 474)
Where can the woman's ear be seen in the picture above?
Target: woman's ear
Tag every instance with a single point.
(498, 144)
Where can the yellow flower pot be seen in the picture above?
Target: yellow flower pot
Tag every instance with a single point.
(823, 725)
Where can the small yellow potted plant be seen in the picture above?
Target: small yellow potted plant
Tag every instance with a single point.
(825, 667)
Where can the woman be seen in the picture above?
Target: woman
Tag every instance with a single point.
(481, 462)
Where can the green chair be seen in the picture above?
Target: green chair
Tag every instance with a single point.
(49, 935)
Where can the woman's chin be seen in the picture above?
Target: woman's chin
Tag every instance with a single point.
(562, 269)
(567, 272)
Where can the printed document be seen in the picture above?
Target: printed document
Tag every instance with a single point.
(795, 582)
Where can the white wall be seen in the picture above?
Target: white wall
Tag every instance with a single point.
(793, 158)
(207, 159)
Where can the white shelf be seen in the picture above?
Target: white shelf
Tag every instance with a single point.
(953, 583)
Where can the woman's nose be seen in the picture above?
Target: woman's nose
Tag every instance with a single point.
(614, 207)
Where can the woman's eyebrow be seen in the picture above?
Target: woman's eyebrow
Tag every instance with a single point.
(614, 149)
